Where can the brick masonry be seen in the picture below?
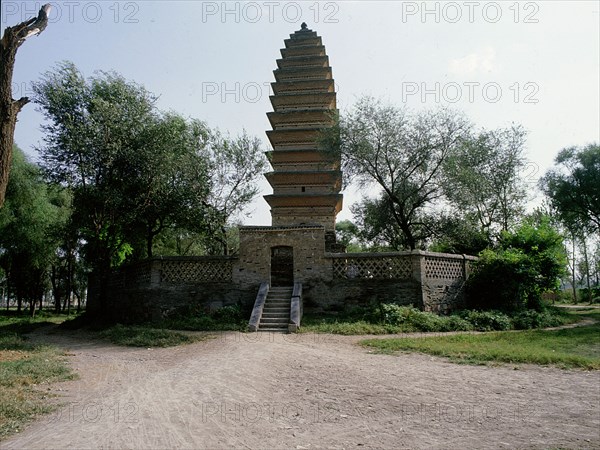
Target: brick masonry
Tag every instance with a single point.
(331, 282)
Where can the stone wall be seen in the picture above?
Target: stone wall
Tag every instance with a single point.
(331, 281)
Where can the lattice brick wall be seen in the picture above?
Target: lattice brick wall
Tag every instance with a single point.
(196, 271)
(373, 267)
(443, 268)
(131, 276)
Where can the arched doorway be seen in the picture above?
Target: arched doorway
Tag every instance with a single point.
(282, 266)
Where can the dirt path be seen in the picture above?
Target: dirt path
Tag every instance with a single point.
(306, 392)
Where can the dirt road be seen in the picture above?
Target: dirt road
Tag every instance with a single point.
(307, 392)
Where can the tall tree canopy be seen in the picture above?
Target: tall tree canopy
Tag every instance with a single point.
(136, 172)
(483, 179)
(573, 186)
(402, 153)
(28, 222)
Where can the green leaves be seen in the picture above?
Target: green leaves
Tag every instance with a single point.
(528, 262)
(573, 187)
(402, 154)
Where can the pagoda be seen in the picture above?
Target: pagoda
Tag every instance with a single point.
(306, 180)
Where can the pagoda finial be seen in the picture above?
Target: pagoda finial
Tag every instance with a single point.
(303, 27)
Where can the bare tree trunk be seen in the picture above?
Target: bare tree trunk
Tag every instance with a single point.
(586, 262)
(7, 291)
(573, 281)
(11, 40)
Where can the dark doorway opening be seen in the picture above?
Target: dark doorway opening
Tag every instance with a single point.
(282, 266)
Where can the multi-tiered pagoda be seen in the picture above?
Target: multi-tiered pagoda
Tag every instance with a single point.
(306, 180)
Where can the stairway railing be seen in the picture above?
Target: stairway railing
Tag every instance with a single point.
(296, 308)
(259, 304)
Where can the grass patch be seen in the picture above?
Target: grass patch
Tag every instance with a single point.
(23, 368)
(334, 326)
(146, 336)
(574, 347)
(394, 319)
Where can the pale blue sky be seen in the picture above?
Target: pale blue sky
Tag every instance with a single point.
(533, 63)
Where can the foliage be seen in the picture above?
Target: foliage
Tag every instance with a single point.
(28, 222)
(347, 234)
(530, 318)
(225, 318)
(234, 166)
(492, 162)
(393, 318)
(571, 347)
(399, 152)
(572, 186)
(487, 320)
(139, 175)
(458, 235)
(92, 142)
(527, 263)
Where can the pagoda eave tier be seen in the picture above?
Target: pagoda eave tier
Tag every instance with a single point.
(294, 138)
(303, 61)
(303, 73)
(282, 103)
(303, 50)
(301, 155)
(301, 119)
(305, 200)
(330, 178)
(302, 40)
(304, 86)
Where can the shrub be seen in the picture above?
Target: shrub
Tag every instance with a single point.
(410, 318)
(487, 320)
(457, 323)
(527, 263)
(530, 318)
(227, 314)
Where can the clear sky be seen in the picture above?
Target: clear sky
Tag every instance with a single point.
(534, 62)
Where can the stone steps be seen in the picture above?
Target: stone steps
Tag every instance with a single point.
(276, 311)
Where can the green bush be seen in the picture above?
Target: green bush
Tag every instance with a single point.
(410, 318)
(487, 320)
(457, 323)
(525, 320)
(513, 277)
(583, 294)
(227, 314)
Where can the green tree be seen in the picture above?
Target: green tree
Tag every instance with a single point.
(347, 234)
(235, 165)
(527, 263)
(135, 172)
(573, 186)
(27, 222)
(401, 153)
(168, 182)
(483, 182)
(573, 189)
(123, 161)
(91, 137)
(460, 235)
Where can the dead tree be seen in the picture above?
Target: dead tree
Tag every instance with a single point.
(12, 39)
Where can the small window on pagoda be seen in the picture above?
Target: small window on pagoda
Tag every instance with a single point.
(303, 188)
